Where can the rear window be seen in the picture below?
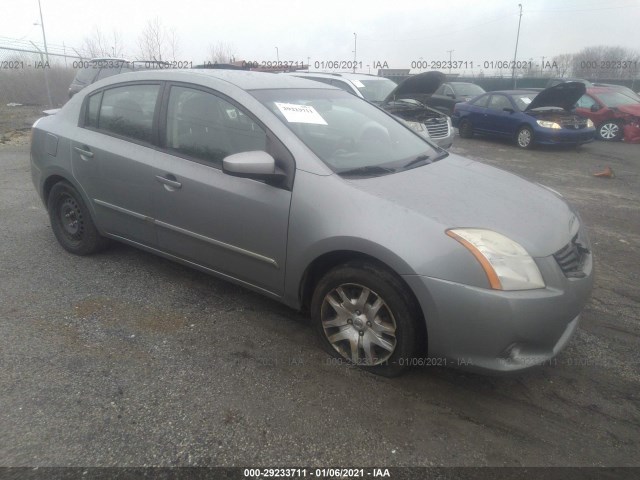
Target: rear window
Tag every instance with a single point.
(85, 75)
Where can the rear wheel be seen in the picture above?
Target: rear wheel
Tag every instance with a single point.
(364, 316)
(524, 137)
(610, 131)
(71, 221)
(465, 129)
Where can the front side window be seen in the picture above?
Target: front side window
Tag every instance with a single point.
(346, 132)
(448, 91)
(207, 127)
(129, 110)
(586, 101)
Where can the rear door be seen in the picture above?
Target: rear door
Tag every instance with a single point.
(112, 154)
(234, 226)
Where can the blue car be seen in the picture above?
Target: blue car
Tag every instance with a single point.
(529, 117)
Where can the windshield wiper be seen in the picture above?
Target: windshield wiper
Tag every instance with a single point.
(367, 170)
(424, 160)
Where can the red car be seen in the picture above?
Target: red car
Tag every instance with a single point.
(615, 115)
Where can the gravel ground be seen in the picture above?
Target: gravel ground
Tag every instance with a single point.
(126, 359)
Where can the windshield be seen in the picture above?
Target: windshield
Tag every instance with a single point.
(615, 99)
(375, 90)
(468, 89)
(523, 100)
(346, 132)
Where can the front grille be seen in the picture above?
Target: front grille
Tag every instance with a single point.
(575, 123)
(437, 127)
(571, 258)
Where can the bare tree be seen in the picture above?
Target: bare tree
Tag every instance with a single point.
(562, 65)
(604, 62)
(221, 52)
(97, 44)
(157, 42)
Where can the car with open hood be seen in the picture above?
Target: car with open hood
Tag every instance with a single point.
(615, 114)
(528, 117)
(400, 251)
(401, 100)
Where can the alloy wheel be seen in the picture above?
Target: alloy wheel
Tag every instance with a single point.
(359, 324)
(609, 131)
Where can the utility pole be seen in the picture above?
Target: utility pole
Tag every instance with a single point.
(515, 55)
(542, 67)
(450, 52)
(44, 37)
(277, 55)
(355, 49)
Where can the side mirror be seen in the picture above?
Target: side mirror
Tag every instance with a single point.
(258, 165)
(507, 109)
(595, 107)
(451, 95)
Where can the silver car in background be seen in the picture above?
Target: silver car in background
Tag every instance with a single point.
(403, 254)
(395, 99)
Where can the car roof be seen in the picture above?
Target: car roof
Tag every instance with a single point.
(243, 79)
(597, 90)
(513, 92)
(345, 75)
(461, 83)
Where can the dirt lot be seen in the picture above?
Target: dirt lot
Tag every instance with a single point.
(127, 359)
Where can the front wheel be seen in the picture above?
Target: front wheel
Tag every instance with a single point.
(71, 221)
(524, 137)
(610, 131)
(364, 316)
(465, 129)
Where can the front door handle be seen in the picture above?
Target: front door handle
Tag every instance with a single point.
(169, 180)
(84, 152)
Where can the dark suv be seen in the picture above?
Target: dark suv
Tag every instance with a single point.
(96, 69)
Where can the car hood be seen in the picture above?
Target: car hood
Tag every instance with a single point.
(458, 192)
(564, 95)
(423, 84)
(630, 109)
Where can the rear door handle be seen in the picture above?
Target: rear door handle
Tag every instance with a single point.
(169, 180)
(84, 153)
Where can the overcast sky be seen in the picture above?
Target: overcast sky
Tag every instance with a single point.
(397, 32)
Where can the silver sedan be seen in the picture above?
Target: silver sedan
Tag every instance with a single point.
(403, 254)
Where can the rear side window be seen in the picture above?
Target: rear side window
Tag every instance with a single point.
(128, 111)
(482, 101)
(498, 102)
(93, 108)
(207, 127)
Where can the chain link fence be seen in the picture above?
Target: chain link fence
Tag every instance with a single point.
(29, 75)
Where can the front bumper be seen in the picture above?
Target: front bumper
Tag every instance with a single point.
(564, 137)
(499, 331)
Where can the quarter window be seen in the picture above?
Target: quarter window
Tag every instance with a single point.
(129, 110)
(482, 101)
(207, 127)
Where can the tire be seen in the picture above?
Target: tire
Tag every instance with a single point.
(465, 129)
(71, 221)
(524, 137)
(342, 310)
(610, 131)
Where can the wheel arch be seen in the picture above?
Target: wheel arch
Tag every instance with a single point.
(323, 263)
(56, 176)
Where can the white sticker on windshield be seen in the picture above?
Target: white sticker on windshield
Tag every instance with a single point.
(358, 83)
(525, 100)
(300, 113)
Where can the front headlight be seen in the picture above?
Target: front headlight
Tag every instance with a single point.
(547, 124)
(589, 123)
(416, 126)
(507, 264)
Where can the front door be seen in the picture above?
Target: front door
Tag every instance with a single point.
(235, 226)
